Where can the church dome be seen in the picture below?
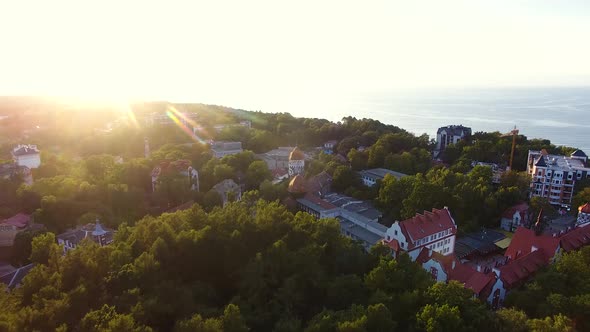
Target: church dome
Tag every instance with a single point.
(296, 154)
(297, 185)
(582, 209)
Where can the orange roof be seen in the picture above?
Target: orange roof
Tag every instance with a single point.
(584, 208)
(423, 225)
(575, 239)
(524, 239)
(297, 185)
(522, 268)
(296, 154)
(521, 208)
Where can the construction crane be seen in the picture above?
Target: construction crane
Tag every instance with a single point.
(514, 132)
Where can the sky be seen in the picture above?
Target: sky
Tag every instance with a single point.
(261, 54)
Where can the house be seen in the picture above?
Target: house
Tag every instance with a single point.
(221, 149)
(434, 230)
(10, 227)
(296, 162)
(13, 170)
(583, 215)
(528, 252)
(229, 191)
(371, 176)
(181, 168)
(446, 268)
(330, 146)
(93, 232)
(26, 155)
(14, 279)
(277, 158)
(554, 176)
(515, 217)
(450, 135)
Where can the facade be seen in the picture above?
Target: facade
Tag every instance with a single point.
(446, 268)
(330, 146)
(221, 149)
(296, 162)
(27, 155)
(229, 191)
(179, 167)
(554, 176)
(10, 227)
(93, 232)
(451, 135)
(371, 176)
(434, 230)
(583, 215)
(515, 217)
(277, 158)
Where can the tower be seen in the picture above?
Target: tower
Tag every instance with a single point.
(296, 162)
(146, 148)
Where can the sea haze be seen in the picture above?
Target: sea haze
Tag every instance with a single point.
(559, 114)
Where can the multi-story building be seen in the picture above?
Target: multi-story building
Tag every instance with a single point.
(27, 155)
(554, 176)
(277, 158)
(221, 148)
(296, 162)
(371, 176)
(434, 230)
(450, 135)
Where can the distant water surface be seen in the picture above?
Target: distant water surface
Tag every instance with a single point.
(559, 114)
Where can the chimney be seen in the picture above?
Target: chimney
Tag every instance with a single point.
(478, 268)
(453, 265)
(534, 248)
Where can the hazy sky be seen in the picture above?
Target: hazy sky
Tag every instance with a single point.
(255, 53)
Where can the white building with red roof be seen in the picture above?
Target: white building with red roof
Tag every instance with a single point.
(515, 217)
(434, 230)
(583, 215)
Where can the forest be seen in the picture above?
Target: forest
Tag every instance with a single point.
(255, 265)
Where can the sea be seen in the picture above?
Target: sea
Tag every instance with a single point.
(560, 114)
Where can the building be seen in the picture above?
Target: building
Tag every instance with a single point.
(330, 146)
(480, 245)
(529, 251)
(14, 279)
(434, 230)
(181, 168)
(446, 268)
(515, 217)
(554, 176)
(450, 135)
(296, 162)
(583, 215)
(371, 176)
(27, 155)
(221, 148)
(497, 171)
(277, 158)
(229, 191)
(13, 170)
(93, 232)
(10, 227)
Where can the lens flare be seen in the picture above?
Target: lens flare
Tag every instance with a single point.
(176, 117)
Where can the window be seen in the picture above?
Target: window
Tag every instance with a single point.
(388, 238)
(434, 273)
(395, 232)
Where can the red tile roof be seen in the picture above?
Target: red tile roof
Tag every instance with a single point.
(393, 244)
(297, 185)
(584, 208)
(575, 239)
(524, 239)
(429, 223)
(19, 220)
(522, 208)
(521, 269)
(455, 270)
(318, 201)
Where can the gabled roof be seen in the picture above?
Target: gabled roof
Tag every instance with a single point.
(23, 150)
(584, 208)
(575, 239)
(521, 208)
(579, 153)
(429, 223)
(524, 239)
(19, 220)
(522, 268)
(15, 277)
(297, 185)
(541, 162)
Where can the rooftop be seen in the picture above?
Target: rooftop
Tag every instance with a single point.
(423, 225)
(22, 150)
(558, 162)
(381, 172)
